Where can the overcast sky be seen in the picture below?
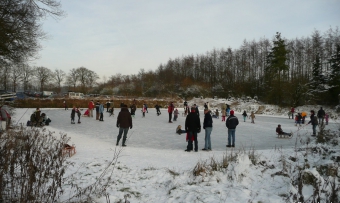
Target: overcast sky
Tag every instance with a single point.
(124, 36)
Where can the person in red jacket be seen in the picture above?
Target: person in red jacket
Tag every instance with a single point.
(91, 107)
(170, 110)
(292, 111)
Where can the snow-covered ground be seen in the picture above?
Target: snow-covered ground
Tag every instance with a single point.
(155, 168)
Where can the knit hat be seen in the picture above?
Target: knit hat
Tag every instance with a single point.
(232, 112)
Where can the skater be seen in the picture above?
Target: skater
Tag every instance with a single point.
(231, 124)
(175, 114)
(279, 131)
(97, 110)
(73, 114)
(101, 111)
(292, 111)
(133, 110)
(192, 127)
(223, 114)
(185, 104)
(217, 113)
(170, 110)
(244, 115)
(179, 130)
(143, 110)
(207, 126)
(298, 119)
(78, 114)
(252, 116)
(228, 111)
(205, 106)
(157, 110)
(146, 108)
(326, 118)
(321, 115)
(313, 121)
(91, 107)
(108, 104)
(124, 122)
(65, 105)
(111, 111)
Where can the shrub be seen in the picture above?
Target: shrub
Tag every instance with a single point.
(31, 165)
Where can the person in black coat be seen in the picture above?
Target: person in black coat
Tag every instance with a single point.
(207, 125)
(192, 127)
(313, 121)
(321, 115)
(231, 123)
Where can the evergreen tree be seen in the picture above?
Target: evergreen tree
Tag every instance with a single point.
(276, 70)
(334, 77)
(316, 84)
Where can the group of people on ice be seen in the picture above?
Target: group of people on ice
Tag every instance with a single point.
(193, 125)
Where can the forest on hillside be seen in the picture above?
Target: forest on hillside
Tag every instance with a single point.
(280, 71)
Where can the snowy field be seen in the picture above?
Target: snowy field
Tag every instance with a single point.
(153, 149)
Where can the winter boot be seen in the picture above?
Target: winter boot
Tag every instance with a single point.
(124, 140)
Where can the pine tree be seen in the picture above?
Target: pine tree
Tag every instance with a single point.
(276, 69)
(316, 85)
(334, 77)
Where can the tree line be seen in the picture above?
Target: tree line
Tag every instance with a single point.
(278, 71)
(281, 71)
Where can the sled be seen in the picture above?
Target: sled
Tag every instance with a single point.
(69, 150)
(282, 136)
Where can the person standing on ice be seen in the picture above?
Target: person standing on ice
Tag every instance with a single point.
(207, 126)
(101, 111)
(97, 110)
(231, 124)
(175, 114)
(91, 107)
(292, 111)
(124, 122)
(252, 116)
(313, 121)
(192, 127)
(170, 110)
(78, 114)
(73, 115)
(144, 110)
(244, 115)
(321, 115)
(223, 114)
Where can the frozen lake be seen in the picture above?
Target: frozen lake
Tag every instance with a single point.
(155, 132)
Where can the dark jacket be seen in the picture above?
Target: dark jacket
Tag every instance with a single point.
(73, 113)
(321, 113)
(207, 120)
(279, 130)
(244, 114)
(192, 122)
(313, 120)
(97, 106)
(231, 122)
(124, 119)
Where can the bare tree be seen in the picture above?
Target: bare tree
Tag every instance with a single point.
(16, 75)
(43, 75)
(20, 22)
(27, 74)
(73, 77)
(59, 76)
